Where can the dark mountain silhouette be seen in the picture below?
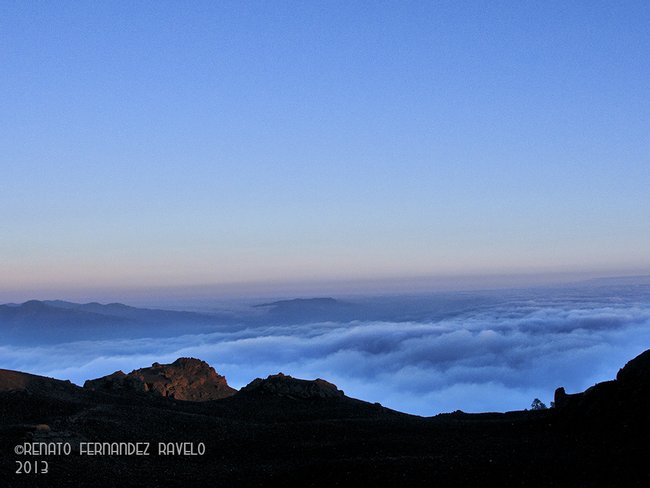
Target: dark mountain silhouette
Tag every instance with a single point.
(305, 310)
(41, 385)
(283, 431)
(382, 308)
(40, 322)
(36, 319)
(302, 304)
(36, 322)
(54, 321)
(287, 386)
(627, 396)
(135, 314)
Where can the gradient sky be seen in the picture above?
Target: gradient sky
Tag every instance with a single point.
(174, 143)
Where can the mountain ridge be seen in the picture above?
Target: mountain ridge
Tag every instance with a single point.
(293, 432)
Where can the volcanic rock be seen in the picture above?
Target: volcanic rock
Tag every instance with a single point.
(628, 394)
(287, 386)
(636, 371)
(282, 431)
(185, 379)
(30, 383)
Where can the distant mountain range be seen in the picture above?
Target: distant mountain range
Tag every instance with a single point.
(52, 321)
(59, 321)
(305, 310)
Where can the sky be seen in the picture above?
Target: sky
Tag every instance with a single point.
(214, 143)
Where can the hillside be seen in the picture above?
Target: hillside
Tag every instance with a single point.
(309, 433)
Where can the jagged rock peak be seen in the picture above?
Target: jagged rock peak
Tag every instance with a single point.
(284, 385)
(637, 370)
(185, 379)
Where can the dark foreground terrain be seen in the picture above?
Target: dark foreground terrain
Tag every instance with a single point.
(287, 432)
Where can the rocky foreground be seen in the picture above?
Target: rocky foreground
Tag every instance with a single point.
(182, 425)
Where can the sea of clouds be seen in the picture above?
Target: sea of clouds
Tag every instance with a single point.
(495, 357)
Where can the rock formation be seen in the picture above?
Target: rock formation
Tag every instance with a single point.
(283, 431)
(636, 371)
(184, 379)
(33, 384)
(287, 386)
(628, 394)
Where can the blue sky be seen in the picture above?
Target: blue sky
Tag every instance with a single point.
(166, 143)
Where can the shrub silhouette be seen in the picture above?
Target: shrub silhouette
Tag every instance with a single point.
(537, 405)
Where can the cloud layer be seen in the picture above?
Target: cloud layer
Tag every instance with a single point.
(497, 356)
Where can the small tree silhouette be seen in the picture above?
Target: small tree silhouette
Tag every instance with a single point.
(537, 405)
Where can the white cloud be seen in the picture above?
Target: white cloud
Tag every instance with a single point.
(498, 357)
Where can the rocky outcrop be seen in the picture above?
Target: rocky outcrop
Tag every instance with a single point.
(30, 383)
(636, 372)
(185, 379)
(287, 432)
(563, 399)
(287, 386)
(627, 395)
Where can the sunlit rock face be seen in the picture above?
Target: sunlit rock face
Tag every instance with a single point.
(185, 379)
